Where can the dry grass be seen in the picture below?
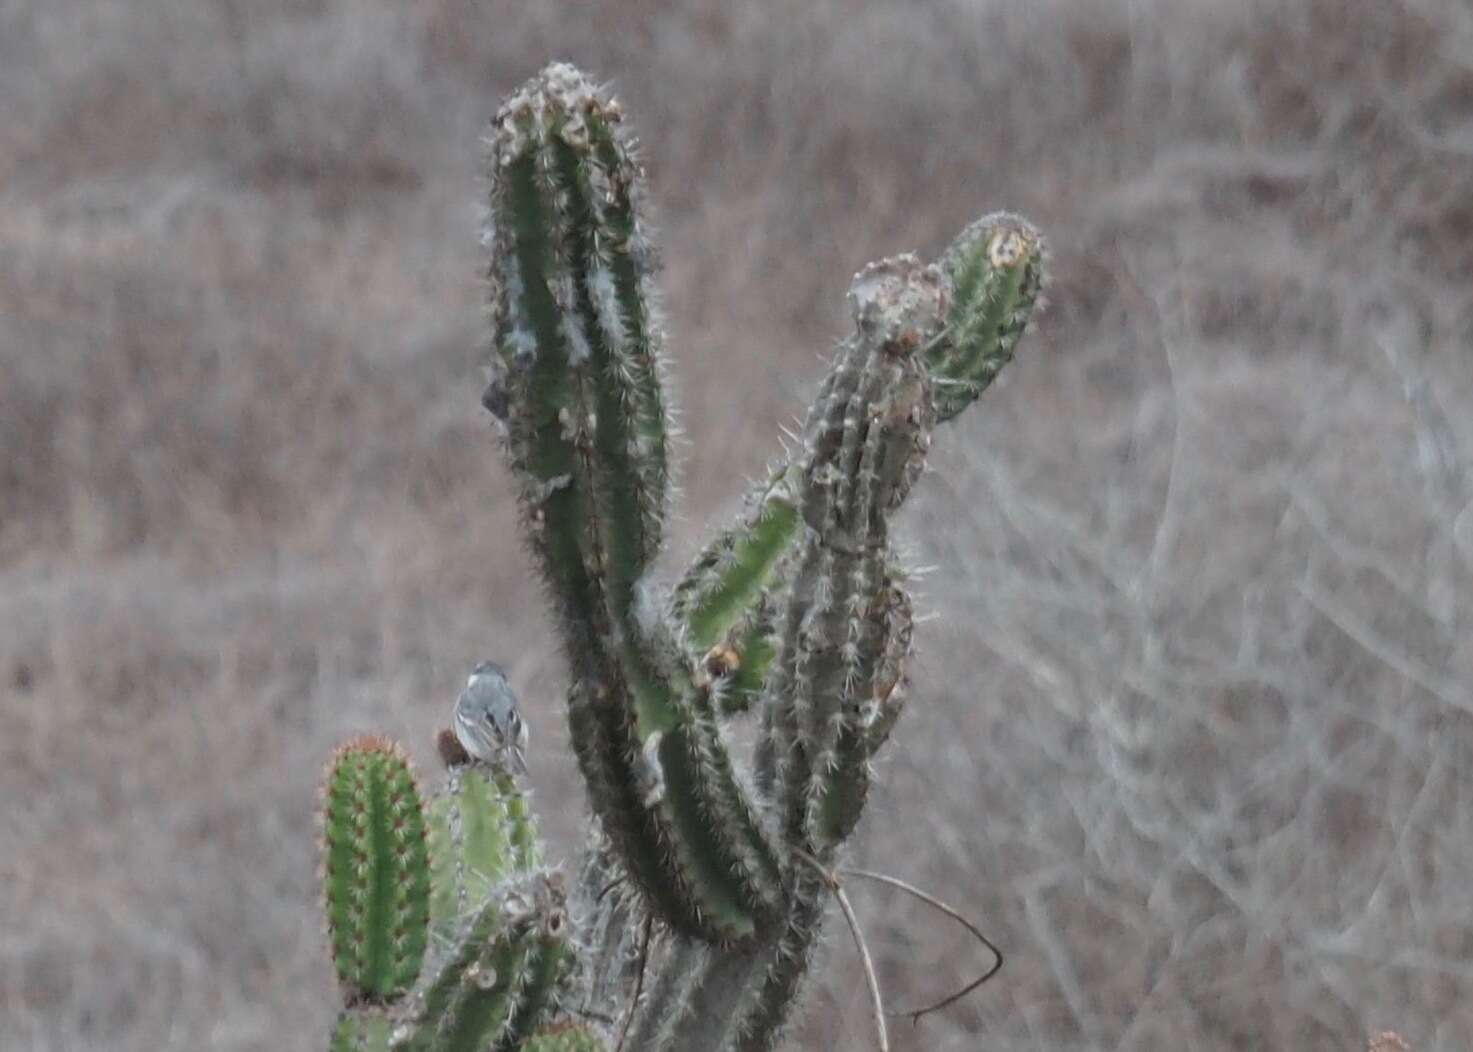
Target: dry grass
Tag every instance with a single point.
(1193, 730)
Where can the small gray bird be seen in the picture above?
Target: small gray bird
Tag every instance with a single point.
(487, 723)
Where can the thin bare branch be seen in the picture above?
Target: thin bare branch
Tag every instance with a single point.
(910, 889)
(877, 1002)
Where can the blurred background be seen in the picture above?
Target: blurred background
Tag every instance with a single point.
(1192, 722)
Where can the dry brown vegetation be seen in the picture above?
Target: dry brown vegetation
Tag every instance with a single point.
(1192, 733)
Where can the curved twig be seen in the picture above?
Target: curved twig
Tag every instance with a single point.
(644, 957)
(931, 900)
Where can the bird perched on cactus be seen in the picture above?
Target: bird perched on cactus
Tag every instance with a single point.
(488, 722)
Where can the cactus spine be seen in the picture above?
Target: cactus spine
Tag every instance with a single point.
(797, 614)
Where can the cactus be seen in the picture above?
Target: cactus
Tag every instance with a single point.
(376, 869)
(463, 891)
(712, 869)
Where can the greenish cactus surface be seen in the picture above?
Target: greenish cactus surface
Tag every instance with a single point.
(477, 930)
(702, 896)
(996, 271)
(361, 1030)
(564, 1039)
(578, 393)
(376, 869)
(481, 833)
(491, 990)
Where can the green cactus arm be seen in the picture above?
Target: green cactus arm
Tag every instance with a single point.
(865, 445)
(481, 832)
(572, 293)
(734, 999)
(578, 394)
(996, 267)
(863, 733)
(552, 361)
(731, 573)
(376, 871)
(502, 978)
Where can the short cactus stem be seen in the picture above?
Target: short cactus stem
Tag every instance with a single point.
(725, 606)
(502, 979)
(996, 267)
(481, 833)
(734, 571)
(376, 870)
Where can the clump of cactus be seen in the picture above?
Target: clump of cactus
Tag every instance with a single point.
(694, 918)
